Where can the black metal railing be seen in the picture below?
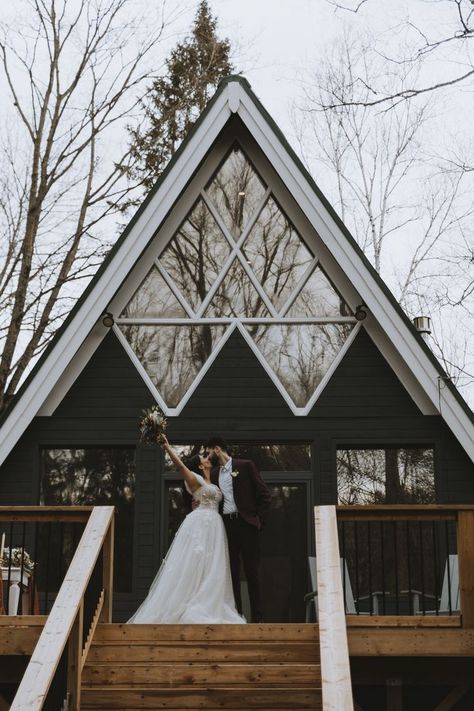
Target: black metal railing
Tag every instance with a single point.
(400, 560)
(39, 544)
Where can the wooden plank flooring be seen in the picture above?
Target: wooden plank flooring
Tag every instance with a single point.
(203, 667)
(20, 633)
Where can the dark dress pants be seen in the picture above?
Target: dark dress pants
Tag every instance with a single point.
(243, 540)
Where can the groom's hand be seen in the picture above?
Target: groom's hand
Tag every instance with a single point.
(194, 504)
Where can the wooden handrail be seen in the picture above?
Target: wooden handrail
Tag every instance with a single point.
(64, 623)
(401, 512)
(45, 513)
(335, 668)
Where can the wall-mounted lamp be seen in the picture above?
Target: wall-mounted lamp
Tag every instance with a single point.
(423, 326)
(360, 312)
(108, 320)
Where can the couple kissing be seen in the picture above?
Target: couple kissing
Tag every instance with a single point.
(199, 579)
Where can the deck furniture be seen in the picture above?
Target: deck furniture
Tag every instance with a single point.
(351, 603)
(449, 601)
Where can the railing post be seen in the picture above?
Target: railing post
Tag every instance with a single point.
(108, 573)
(465, 546)
(74, 661)
(335, 668)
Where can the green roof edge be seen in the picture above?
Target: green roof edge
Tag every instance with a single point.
(244, 83)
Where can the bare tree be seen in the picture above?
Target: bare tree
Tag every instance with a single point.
(454, 31)
(372, 157)
(409, 210)
(74, 73)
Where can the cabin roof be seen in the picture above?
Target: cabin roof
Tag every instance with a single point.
(235, 97)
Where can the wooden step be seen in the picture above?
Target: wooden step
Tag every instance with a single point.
(183, 633)
(235, 651)
(176, 674)
(257, 697)
(203, 667)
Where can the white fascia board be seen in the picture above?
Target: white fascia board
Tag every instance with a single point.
(96, 302)
(443, 400)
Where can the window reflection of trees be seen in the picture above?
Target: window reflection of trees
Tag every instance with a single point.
(300, 355)
(173, 355)
(95, 476)
(270, 270)
(236, 191)
(153, 299)
(318, 298)
(267, 457)
(196, 255)
(237, 296)
(391, 476)
(276, 253)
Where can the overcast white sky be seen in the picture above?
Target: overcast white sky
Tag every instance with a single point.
(278, 41)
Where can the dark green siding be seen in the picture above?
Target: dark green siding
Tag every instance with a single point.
(364, 403)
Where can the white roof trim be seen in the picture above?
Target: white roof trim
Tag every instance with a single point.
(233, 99)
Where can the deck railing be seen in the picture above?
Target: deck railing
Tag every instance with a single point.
(408, 560)
(84, 598)
(38, 544)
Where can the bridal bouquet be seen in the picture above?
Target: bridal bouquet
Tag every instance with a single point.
(152, 426)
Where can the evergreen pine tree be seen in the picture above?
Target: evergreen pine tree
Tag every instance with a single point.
(193, 71)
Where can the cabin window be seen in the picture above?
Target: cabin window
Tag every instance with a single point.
(95, 476)
(386, 476)
(236, 261)
(267, 457)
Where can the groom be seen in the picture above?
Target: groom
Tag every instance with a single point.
(246, 498)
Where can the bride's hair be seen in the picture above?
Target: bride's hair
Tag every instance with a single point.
(194, 463)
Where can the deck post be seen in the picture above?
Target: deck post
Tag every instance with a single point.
(465, 546)
(74, 661)
(108, 573)
(335, 669)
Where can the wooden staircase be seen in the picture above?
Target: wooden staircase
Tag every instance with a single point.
(203, 667)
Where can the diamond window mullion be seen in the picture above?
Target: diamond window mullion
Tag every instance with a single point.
(292, 298)
(256, 283)
(175, 290)
(236, 260)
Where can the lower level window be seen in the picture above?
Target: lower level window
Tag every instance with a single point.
(385, 476)
(95, 476)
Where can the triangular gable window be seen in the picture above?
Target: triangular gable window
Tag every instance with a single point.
(237, 261)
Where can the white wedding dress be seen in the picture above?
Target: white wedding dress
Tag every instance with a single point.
(193, 584)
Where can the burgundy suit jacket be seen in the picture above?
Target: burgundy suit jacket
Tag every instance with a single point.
(252, 496)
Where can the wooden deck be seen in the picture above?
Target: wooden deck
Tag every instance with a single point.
(251, 666)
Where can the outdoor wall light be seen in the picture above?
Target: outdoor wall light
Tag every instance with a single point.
(108, 320)
(360, 312)
(422, 324)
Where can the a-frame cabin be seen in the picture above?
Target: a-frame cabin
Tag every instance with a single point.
(238, 301)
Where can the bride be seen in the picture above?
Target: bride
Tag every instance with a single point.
(193, 584)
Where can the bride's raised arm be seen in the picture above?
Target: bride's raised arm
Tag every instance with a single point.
(186, 473)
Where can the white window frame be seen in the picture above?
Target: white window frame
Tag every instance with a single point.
(196, 317)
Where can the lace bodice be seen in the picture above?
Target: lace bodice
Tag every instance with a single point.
(208, 495)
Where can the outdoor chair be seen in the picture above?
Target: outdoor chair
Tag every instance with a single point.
(351, 603)
(449, 601)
